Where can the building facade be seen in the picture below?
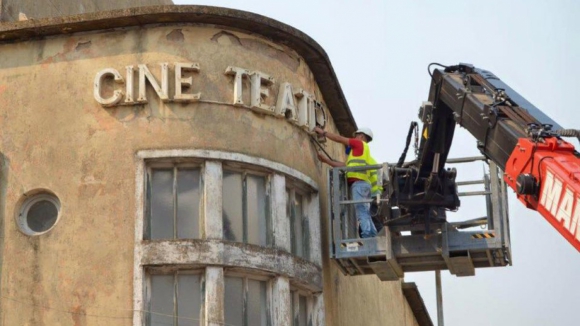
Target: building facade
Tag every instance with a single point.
(157, 168)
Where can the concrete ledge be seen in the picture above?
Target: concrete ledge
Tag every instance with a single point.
(233, 254)
(411, 293)
(274, 30)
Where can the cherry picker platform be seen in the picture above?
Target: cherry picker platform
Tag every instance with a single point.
(415, 242)
(524, 149)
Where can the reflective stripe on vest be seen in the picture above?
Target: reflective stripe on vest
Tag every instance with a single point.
(361, 160)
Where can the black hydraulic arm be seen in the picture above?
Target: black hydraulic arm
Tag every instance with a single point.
(489, 109)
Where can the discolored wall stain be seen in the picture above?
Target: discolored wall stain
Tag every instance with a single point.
(83, 46)
(256, 45)
(176, 35)
(289, 60)
(226, 38)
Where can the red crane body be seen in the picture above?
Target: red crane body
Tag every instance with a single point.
(554, 164)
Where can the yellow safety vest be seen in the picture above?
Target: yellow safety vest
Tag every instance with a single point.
(362, 160)
(373, 178)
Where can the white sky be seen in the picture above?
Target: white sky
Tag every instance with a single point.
(380, 51)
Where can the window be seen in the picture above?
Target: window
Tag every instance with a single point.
(246, 302)
(177, 184)
(175, 299)
(38, 213)
(299, 232)
(299, 309)
(246, 209)
(173, 202)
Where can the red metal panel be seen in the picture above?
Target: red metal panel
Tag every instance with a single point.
(553, 163)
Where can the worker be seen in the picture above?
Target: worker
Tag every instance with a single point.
(358, 181)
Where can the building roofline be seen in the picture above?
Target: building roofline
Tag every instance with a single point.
(411, 293)
(278, 32)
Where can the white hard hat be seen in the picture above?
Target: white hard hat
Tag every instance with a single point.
(366, 131)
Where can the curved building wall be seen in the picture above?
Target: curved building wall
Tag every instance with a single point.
(178, 151)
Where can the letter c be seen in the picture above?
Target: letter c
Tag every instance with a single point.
(117, 94)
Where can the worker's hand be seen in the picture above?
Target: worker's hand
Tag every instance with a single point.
(318, 130)
(321, 157)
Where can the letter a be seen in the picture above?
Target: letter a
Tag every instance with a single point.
(285, 105)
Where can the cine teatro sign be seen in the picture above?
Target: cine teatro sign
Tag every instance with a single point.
(296, 105)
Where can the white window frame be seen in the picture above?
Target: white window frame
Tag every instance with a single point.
(22, 218)
(250, 170)
(295, 299)
(175, 272)
(211, 220)
(304, 229)
(175, 166)
(255, 277)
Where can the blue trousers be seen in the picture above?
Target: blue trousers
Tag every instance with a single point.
(362, 190)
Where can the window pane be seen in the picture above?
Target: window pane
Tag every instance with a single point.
(293, 307)
(257, 306)
(291, 217)
(232, 206)
(234, 301)
(188, 199)
(161, 306)
(305, 228)
(303, 311)
(288, 204)
(297, 220)
(257, 226)
(162, 204)
(188, 299)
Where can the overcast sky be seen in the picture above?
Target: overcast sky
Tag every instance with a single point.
(380, 51)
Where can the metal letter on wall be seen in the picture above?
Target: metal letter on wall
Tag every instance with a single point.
(238, 74)
(129, 97)
(306, 114)
(259, 91)
(163, 91)
(286, 106)
(117, 94)
(181, 82)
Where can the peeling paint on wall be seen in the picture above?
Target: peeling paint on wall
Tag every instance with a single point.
(175, 35)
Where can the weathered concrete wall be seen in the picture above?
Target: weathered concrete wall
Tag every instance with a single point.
(15, 10)
(365, 300)
(56, 136)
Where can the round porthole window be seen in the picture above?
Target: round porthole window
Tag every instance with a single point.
(39, 213)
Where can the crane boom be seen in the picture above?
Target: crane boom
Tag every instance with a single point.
(541, 167)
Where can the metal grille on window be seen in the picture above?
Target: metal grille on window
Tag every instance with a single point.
(299, 231)
(246, 208)
(175, 299)
(174, 196)
(246, 302)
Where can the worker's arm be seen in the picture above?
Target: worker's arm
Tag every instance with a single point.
(332, 136)
(334, 164)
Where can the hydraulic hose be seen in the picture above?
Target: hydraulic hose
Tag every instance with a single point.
(569, 133)
(409, 135)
